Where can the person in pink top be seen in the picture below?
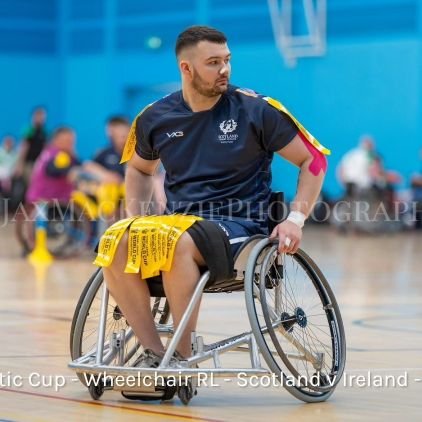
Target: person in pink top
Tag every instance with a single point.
(51, 178)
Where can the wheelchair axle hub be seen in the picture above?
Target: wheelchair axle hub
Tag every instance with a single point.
(287, 321)
(301, 317)
(117, 313)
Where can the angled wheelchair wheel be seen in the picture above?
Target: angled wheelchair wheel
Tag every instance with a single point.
(68, 229)
(296, 321)
(118, 333)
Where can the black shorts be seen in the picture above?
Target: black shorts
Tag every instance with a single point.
(218, 241)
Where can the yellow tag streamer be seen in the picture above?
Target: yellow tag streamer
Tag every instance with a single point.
(109, 241)
(131, 139)
(276, 104)
(151, 245)
(134, 249)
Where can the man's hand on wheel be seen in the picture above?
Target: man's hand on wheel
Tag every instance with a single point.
(289, 236)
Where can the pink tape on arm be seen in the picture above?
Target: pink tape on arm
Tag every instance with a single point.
(319, 162)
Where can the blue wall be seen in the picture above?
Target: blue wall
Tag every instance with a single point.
(99, 64)
(25, 82)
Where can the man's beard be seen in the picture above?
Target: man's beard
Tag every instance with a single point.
(200, 86)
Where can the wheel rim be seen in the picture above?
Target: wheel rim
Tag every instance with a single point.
(287, 319)
(308, 346)
(85, 339)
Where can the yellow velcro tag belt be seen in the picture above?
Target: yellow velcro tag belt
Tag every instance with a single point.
(151, 243)
(130, 144)
(276, 104)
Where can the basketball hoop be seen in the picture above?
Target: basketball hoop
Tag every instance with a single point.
(292, 45)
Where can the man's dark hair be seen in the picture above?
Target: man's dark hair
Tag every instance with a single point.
(194, 34)
(117, 120)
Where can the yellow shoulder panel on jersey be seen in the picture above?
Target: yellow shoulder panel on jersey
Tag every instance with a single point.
(131, 139)
(276, 104)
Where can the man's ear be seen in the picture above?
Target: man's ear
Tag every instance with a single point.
(185, 68)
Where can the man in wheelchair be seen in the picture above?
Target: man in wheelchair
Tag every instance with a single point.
(216, 143)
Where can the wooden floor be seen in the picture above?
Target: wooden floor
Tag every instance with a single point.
(378, 284)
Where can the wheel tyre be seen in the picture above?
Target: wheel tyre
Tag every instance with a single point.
(96, 391)
(169, 392)
(83, 308)
(186, 392)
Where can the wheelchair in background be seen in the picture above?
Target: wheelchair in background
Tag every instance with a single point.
(296, 330)
(73, 226)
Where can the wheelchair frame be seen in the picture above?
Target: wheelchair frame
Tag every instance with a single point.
(250, 270)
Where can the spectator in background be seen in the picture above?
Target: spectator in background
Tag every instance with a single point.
(365, 178)
(359, 169)
(34, 140)
(106, 167)
(8, 159)
(416, 184)
(362, 170)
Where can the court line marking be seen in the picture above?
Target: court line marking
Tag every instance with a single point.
(32, 357)
(363, 350)
(373, 322)
(113, 406)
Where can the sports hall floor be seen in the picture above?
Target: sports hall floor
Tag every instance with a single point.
(378, 284)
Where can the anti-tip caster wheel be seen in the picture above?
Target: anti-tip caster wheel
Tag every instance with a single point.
(96, 391)
(186, 392)
(169, 393)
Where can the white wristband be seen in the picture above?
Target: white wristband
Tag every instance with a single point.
(297, 218)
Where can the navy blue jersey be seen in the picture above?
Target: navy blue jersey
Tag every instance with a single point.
(109, 158)
(217, 161)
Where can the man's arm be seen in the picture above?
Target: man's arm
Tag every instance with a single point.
(312, 165)
(139, 184)
(101, 173)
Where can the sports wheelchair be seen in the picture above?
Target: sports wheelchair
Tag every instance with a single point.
(295, 328)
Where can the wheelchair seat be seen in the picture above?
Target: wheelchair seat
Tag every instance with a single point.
(155, 284)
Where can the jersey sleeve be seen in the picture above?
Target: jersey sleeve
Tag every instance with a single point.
(278, 128)
(99, 157)
(144, 146)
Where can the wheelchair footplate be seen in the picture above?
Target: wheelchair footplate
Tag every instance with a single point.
(143, 384)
